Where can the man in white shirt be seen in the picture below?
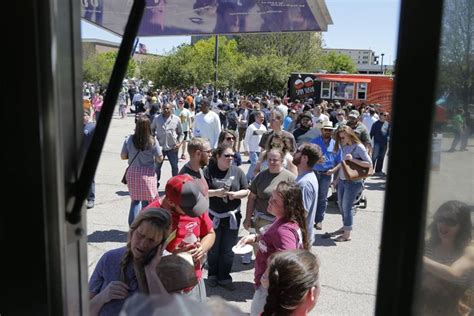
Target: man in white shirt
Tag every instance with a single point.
(319, 117)
(207, 124)
(252, 138)
(369, 118)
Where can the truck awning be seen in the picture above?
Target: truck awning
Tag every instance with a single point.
(344, 79)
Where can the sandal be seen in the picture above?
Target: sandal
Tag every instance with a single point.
(341, 239)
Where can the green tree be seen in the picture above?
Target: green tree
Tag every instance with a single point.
(193, 65)
(303, 50)
(334, 62)
(457, 52)
(98, 67)
(263, 73)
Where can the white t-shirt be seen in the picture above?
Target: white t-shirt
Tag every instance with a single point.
(368, 121)
(207, 126)
(318, 120)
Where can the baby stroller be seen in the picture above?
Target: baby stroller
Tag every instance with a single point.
(359, 203)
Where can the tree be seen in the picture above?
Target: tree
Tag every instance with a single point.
(98, 67)
(334, 62)
(193, 65)
(457, 52)
(264, 73)
(301, 49)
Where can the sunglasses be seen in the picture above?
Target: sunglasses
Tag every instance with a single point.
(230, 138)
(229, 155)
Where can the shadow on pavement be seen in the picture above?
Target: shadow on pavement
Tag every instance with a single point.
(238, 266)
(122, 193)
(112, 235)
(375, 186)
(323, 242)
(242, 293)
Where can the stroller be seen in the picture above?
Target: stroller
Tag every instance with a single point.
(359, 203)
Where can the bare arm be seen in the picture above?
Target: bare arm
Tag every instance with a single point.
(453, 272)
(154, 283)
(115, 290)
(238, 194)
(249, 211)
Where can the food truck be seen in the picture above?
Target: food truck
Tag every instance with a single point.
(347, 88)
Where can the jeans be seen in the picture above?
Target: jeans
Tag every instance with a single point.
(173, 159)
(324, 183)
(378, 155)
(91, 196)
(346, 195)
(220, 257)
(253, 155)
(258, 301)
(135, 208)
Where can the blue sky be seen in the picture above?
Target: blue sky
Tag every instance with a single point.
(360, 24)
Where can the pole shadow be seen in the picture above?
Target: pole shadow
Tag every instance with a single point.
(112, 235)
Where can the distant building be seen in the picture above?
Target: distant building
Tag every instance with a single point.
(358, 56)
(96, 46)
(365, 60)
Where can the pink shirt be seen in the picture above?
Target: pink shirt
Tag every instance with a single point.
(281, 235)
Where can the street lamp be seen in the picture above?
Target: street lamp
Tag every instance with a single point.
(381, 66)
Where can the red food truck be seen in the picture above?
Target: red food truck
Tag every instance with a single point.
(347, 88)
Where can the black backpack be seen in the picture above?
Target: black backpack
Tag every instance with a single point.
(232, 120)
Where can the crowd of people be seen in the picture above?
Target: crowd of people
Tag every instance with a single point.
(297, 152)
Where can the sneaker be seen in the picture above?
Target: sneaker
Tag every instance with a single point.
(247, 258)
(318, 226)
(228, 286)
(90, 204)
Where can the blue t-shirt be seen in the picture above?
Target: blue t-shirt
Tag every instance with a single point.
(331, 158)
(309, 189)
(108, 270)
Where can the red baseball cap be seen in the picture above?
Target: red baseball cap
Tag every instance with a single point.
(188, 193)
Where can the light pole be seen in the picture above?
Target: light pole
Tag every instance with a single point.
(381, 65)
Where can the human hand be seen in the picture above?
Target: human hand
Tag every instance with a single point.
(183, 248)
(247, 223)
(197, 253)
(115, 290)
(348, 157)
(231, 195)
(249, 239)
(220, 193)
(155, 261)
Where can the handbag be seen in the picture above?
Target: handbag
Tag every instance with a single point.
(124, 178)
(354, 172)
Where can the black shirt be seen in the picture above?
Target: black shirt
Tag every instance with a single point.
(216, 179)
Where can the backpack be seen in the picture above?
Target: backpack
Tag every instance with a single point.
(232, 120)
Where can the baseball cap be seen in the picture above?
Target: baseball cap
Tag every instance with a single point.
(306, 115)
(354, 114)
(188, 193)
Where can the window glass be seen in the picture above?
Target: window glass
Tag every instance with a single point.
(361, 91)
(446, 286)
(325, 90)
(343, 90)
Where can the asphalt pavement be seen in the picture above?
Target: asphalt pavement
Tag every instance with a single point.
(348, 269)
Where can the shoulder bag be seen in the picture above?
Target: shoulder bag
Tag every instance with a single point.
(354, 172)
(124, 178)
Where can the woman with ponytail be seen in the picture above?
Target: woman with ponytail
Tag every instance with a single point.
(293, 289)
(124, 271)
(287, 232)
